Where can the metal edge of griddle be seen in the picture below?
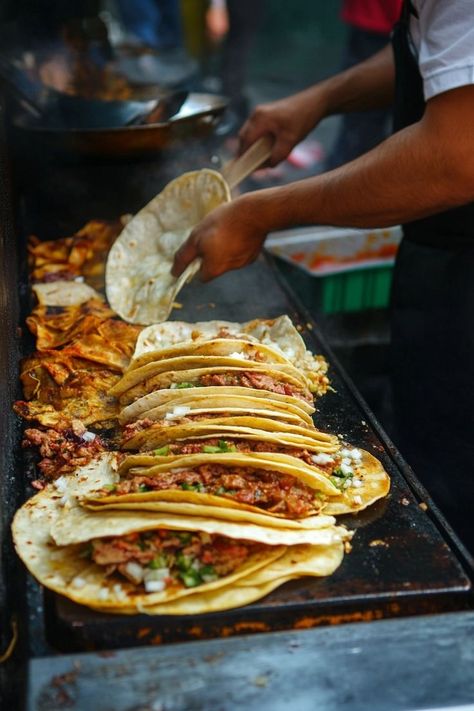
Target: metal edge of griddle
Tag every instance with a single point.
(14, 619)
(327, 669)
(409, 475)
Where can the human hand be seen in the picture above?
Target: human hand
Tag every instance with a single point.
(217, 22)
(288, 120)
(229, 237)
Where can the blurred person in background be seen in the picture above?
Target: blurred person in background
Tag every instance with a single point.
(153, 23)
(370, 23)
(220, 34)
(421, 176)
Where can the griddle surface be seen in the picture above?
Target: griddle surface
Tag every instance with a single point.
(400, 563)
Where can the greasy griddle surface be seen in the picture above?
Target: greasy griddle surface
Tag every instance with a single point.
(399, 564)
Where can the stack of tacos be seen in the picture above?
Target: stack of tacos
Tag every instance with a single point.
(165, 561)
(223, 488)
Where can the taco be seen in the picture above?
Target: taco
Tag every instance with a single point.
(171, 396)
(202, 471)
(139, 284)
(297, 561)
(231, 347)
(279, 334)
(146, 434)
(278, 485)
(124, 561)
(225, 405)
(258, 377)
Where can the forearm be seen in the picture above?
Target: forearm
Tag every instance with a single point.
(423, 169)
(367, 85)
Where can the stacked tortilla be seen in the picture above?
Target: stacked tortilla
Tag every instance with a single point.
(224, 488)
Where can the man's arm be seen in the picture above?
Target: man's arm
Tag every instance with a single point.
(367, 85)
(421, 170)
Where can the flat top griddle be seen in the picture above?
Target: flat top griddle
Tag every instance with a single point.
(400, 564)
(404, 559)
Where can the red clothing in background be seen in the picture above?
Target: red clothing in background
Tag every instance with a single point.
(373, 15)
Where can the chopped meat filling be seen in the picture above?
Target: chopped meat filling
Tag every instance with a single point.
(155, 560)
(265, 489)
(257, 380)
(63, 451)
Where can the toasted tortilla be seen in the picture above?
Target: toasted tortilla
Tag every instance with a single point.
(247, 348)
(62, 569)
(155, 437)
(136, 409)
(296, 562)
(171, 377)
(373, 482)
(226, 510)
(78, 525)
(375, 485)
(199, 362)
(139, 284)
(227, 402)
(142, 465)
(64, 293)
(279, 334)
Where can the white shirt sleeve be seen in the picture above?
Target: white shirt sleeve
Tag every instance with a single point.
(443, 38)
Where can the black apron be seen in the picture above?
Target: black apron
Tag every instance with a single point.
(433, 331)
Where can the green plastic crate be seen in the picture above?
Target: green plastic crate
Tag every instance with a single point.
(338, 270)
(353, 291)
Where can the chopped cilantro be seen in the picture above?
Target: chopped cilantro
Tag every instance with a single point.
(162, 451)
(339, 479)
(110, 487)
(142, 488)
(157, 562)
(190, 578)
(222, 490)
(224, 447)
(207, 571)
(180, 386)
(184, 537)
(191, 487)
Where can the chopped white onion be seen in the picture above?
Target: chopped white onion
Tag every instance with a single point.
(345, 452)
(347, 461)
(240, 356)
(356, 454)
(357, 483)
(119, 591)
(78, 582)
(346, 469)
(103, 594)
(178, 411)
(322, 458)
(152, 586)
(88, 436)
(134, 572)
(357, 499)
(157, 574)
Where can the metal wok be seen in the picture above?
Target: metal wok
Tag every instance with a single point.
(197, 117)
